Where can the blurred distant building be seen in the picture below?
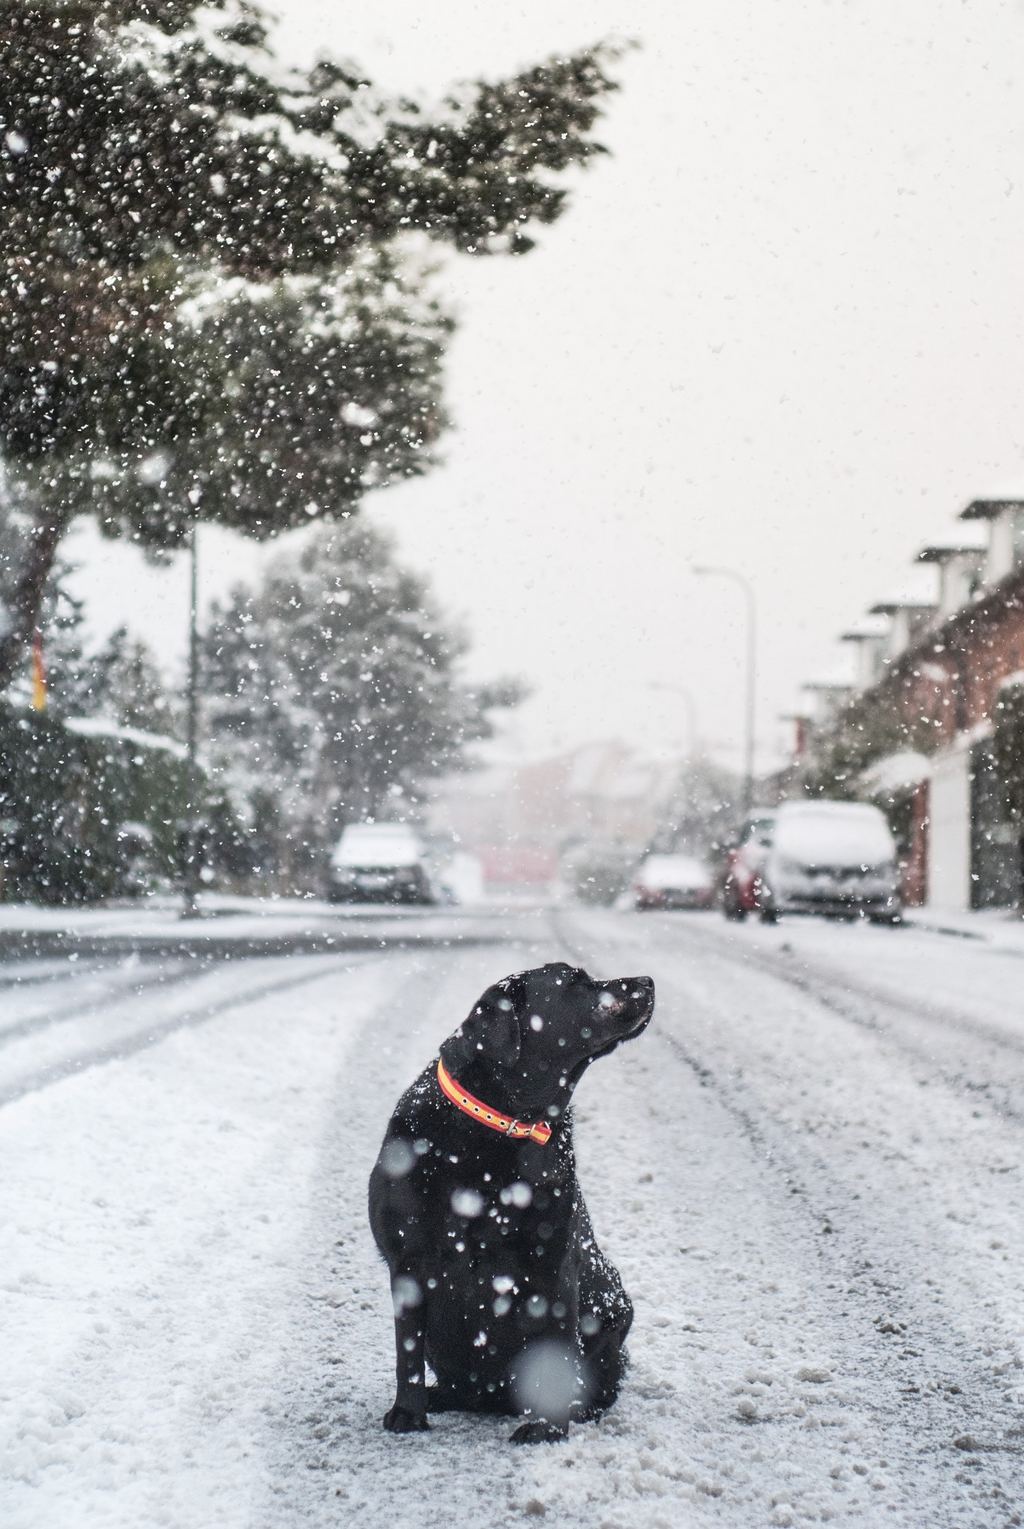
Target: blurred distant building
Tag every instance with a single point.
(521, 817)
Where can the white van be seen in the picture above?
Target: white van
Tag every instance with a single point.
(379, 862)
(830, 857)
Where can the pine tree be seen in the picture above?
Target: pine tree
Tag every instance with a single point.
(127, 686)
(207, 306)
(333, 691)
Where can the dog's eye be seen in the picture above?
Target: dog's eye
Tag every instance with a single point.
(586, 1032)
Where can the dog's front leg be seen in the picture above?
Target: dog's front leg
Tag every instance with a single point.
(546, 1375)
(545, 1387)
(409, 1413)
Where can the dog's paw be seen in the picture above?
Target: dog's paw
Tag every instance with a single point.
(404, 1420)
(539, 1432)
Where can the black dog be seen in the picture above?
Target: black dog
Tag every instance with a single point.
(496, 1278)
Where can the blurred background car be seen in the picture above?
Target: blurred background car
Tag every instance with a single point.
(830, 857)
(744, 857)
(380, 862)
(673, 881)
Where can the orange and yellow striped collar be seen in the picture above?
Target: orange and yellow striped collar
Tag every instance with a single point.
(539, 1131)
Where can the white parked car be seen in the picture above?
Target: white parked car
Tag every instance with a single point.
(380, 862)
(830, 857)
(672, 881)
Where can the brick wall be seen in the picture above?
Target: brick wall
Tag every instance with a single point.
(941, 690)
(949, 683)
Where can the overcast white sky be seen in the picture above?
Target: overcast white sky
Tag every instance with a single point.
(782, 328)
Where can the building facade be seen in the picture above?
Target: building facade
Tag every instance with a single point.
(929, 687)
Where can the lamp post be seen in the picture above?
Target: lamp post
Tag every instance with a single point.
(190, 847)
(751, 693)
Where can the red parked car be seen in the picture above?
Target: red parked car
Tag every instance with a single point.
(744, 862)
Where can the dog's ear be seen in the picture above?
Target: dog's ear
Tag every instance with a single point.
(491, 1029)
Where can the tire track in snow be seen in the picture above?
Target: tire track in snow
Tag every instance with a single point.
(125, 991)
(821, 979)
(141, 1040)
(846, 996)
(333, 1463)
(747, 1321)
(153, 1267)
(912, 1333)
(15, 975)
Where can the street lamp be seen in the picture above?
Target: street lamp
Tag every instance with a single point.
(192, 833)
(748, 750)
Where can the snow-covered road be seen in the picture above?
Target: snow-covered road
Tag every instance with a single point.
(808, 1171)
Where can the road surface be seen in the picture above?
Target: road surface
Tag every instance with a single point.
(808, 1171)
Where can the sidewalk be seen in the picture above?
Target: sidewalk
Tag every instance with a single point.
(233, 926)
(1002, 928)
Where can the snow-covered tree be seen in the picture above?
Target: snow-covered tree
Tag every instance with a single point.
(127, 686)
(332, 691)
(208, 308)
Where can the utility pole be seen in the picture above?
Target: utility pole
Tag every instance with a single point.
(191, 846)
(751, 687)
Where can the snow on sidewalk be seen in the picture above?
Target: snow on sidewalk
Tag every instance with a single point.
(1001, 928)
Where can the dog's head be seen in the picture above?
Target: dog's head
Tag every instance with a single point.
(529, 1038)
